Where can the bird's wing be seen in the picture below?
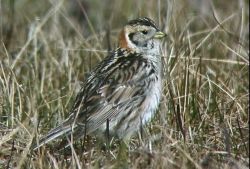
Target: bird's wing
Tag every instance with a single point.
(118, 85)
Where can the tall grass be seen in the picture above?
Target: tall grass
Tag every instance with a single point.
(47, 48)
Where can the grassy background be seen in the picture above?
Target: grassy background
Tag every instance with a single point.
(47, 48)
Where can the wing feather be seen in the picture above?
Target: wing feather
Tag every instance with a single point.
(120, 82)
(114, 90)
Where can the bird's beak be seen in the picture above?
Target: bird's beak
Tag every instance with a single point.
(159, 35)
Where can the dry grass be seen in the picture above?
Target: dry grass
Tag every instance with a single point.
(48, 47)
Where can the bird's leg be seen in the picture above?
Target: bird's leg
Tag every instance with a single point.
(107, 136)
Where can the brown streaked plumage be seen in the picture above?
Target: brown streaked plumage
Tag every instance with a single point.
(124, 89)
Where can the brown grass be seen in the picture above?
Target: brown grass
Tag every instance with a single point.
(48, 47)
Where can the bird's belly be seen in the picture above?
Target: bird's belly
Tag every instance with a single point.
(151, 103)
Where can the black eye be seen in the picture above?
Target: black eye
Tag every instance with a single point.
(144, 32)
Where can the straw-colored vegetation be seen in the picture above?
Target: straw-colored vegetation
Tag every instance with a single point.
(48, 47)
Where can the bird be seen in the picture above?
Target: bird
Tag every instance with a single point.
(123, 92)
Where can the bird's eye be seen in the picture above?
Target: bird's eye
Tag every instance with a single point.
(144, 32)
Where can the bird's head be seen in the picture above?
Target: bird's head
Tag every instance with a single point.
(141, 35)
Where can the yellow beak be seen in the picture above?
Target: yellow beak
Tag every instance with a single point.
(159, 35)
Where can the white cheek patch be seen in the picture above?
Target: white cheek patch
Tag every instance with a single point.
(130, 44)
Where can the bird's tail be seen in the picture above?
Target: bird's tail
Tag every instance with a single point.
(61, 130)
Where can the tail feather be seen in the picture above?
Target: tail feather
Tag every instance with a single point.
(53, 134)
